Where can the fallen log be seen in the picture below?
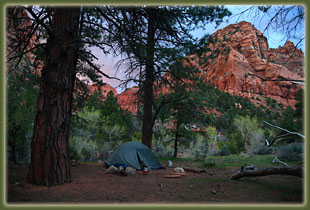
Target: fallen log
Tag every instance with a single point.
(195, 170)
(287, 170)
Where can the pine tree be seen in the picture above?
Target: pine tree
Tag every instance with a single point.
(188, 97)
(50, 162)
(69, 33)
(152, 38)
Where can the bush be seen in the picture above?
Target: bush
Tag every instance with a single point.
(169, 152)
(224, 151)
(74, 155)
(262, 150)
(199, 147)
(233, 149)
(291, 152)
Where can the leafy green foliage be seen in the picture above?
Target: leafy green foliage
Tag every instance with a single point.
(184, 105)
(99, 127)
(22, 93)
(199, 147)
(250, 131)
(224, 151)
(84, 139)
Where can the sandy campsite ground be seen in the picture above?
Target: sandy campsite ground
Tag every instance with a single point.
(92, 185)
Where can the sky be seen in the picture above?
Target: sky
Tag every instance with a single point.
(275, 39)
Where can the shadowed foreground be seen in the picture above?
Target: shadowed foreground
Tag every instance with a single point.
(91, 184)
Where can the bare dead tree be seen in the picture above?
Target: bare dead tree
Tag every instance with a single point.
(285, 170)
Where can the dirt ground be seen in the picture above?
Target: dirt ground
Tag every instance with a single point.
(92, 185)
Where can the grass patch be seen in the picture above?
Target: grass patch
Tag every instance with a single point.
(260, 161)
(208, 164)
(239, 160)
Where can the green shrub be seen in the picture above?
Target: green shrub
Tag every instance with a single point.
(137, 136)
(268, 101)
(199, 147)
(74, 155)
(224, 151)
(232, 148)
(291, 152)
(160, 145)
(262, 150)
(249, 128)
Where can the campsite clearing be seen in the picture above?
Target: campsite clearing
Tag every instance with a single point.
(91, 184)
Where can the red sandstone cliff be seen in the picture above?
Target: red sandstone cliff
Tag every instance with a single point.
(105, 89)
(236, 53)
(233, 54)
(20, 40)
(239, 50)
(128, 99)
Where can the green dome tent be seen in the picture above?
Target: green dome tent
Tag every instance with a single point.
(132, 154)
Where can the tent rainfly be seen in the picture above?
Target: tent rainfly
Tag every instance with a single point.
(132, 154)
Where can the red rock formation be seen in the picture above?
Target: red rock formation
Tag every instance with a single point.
(19, 39)
(234, 53)
(240, 49)
(128, 99)
(105, 89)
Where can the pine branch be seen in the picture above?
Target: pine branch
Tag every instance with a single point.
(39, 20)
(96, 67)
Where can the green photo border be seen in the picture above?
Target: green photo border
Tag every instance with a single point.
(4, 3)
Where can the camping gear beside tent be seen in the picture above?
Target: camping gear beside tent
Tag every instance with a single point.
(133, 154)
(172, 176)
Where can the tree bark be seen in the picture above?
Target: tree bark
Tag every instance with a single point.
(147, 125)
(176, 136)
(50, 164)
(293, 171)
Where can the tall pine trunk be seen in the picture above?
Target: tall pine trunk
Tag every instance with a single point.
(147, 122)
(176, 136)
(50, 163)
